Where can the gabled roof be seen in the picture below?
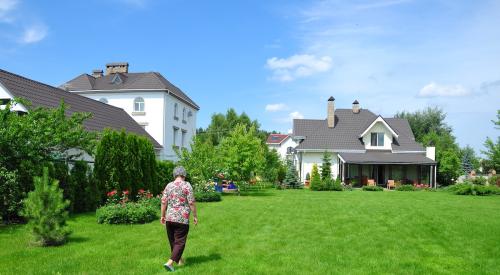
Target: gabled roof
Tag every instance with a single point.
(130, 81)
(276, 138)
(345, 135)
(381, 120)
(43, 95)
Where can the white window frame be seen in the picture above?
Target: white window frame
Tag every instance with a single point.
(379, 136)
(139, 104)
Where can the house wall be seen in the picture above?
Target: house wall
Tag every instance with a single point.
(5, 94)
(282, 148)
(157, 118)
(310, 158)
(379, 127)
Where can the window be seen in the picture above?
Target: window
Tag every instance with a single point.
(176, 107)
(176, 131)
(103, 100)
(116, 79)
(183, 138)
(139, 104)
(377, 139)
(184, 115)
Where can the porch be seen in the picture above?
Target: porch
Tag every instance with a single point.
(380, 167)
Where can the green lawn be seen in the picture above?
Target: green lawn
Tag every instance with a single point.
(287, 232)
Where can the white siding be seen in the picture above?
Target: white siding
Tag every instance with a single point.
(310, 158)
(283, 147)
(379, 127)
(4, 93)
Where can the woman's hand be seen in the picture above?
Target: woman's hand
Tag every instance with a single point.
(195, 220)
(163, 220)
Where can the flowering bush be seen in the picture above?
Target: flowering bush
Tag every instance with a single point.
(120, 210)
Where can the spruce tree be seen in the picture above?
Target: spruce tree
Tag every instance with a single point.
(46, 211)
(326, 169)
(291, 178)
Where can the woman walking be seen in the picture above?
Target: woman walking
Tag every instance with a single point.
(177, 203)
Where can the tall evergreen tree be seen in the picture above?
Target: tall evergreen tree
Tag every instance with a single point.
(291, 178)
(326, 166)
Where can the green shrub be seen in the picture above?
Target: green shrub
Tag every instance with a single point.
(478, 180)
(494, 180)
(475, 190)
(164, 169)
(45, 209)
(372, 188)
(86, 197)
(315, 184)
(127, 213)
(406, 187)
(11, 195)
(207, 196)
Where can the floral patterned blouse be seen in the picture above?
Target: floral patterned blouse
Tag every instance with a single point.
(178, 195)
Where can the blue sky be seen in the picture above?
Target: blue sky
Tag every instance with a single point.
(277, 60)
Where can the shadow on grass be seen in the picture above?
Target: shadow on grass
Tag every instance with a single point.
(73, 239)
(203, 259)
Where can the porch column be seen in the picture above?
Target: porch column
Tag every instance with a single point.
(435, 175)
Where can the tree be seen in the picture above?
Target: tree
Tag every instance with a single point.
(272, 165)
(315, 178)
(125, 162)
(242, 153)
(426, 121)
(202, 162)
(221, 126)
(469, 160)
(430, 129)
(291, 178)
(492, 152)
(326, 166)
(45, 209)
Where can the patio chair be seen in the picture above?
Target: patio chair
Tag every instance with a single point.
(371, 182)
(391, 184)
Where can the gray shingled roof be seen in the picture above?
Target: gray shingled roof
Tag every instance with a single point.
(345, 134)
(43, 95)
(130, 81)
(376, 157)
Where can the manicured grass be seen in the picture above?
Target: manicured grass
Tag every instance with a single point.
(287, 232)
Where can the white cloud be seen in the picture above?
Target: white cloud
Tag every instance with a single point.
(290, 131)
(6, 7)
(296, 115)
(297, 66)
(34, 33)
(434, 90)
(276, 107)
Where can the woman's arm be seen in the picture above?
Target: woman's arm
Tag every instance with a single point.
(193, 210)
(163, 210)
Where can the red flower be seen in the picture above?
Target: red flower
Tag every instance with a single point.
(149, 195)
(181, 199)
(141, 191)
(185, 215)
(125, 192)
(112, 193)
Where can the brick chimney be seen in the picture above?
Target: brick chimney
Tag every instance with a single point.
(116, 67)
(331, 112)
(97, 73)
(355, 107)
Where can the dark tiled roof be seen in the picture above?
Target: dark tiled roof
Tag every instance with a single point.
(345, 134)
(276, 138)
(130, 81)
(375, 157)
(43, 95)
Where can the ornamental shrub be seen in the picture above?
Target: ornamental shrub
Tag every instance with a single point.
(45, 209)
(316, 182)
(475, 190)
(494, 180)
(85, 194)
(372, 188)
(406, 187)
(127, 213)
(207, 196)
(326, 166)
(291, 178)
(11, 195)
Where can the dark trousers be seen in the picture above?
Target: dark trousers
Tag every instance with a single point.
(177, 235)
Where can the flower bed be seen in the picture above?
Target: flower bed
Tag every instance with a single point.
(372, 188)
(120, 210)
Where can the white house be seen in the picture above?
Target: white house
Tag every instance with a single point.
(363, 147)
(161, 108)
(283, 144)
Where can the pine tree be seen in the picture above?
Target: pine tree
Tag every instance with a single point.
(46, 211)
(326, 167)
(315, 178)
(467, 166)
(291, 178)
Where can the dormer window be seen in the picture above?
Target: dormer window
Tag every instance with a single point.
(377, 139)
(116, 79)
(139, 104)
